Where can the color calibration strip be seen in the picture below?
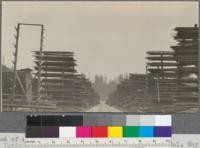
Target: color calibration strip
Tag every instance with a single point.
(98, 132)
(65, 127)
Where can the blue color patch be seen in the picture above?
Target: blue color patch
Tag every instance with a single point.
(146, 131)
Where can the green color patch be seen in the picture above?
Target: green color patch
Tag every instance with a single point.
(131, 131)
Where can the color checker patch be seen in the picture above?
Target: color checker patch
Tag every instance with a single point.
(65, 132)
(50, 132)
(115, 132)
(99, 131)
(146, 131)
(83, 132)
(162, 131)
(130, 131)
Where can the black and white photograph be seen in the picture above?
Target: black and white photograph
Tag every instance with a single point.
(100, 56)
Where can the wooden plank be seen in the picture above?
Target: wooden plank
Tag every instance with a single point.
(188, 89)
(168, 58)
(55, 58)
(187, 35)
(186, 29)
(160, 52)
(28, 106)
(57, 69)
(189, 80)
(59, 64)
(186, 47)
(54, 52)
(66, 75)
(48, 80)
(185, 52)
(161, 64)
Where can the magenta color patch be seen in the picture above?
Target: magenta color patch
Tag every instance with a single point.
(83, 132)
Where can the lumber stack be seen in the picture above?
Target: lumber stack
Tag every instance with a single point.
(162, 76)
(186, 53)
(171, 80)
(61, 83)
(130, 94)
(23, 99)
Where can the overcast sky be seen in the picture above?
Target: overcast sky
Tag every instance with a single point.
(108, 38)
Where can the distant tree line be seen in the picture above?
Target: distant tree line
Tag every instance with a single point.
(105, 87)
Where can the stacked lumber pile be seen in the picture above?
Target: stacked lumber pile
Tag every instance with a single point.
(130, 94)
(24, 98)
(171, 80)
(61, 83)
(186, 53)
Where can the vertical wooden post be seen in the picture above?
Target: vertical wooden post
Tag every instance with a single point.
(146, 81)
(162, 69)
(15, 63)
(158, 88)
(40, 63)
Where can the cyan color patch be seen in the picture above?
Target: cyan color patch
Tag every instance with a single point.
(146, 131)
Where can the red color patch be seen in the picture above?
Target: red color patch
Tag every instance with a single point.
(99, 131)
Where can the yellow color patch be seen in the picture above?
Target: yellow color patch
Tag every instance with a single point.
(115, 132)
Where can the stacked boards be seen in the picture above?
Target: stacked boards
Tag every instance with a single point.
(171, 80)
(186, 52)
(161, 68)
(172, 75)
(60, 82)
(24, 98)
(130, 94)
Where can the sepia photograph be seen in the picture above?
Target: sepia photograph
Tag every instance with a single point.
(100, 56)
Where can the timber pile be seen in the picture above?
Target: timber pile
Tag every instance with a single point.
(171, 81)
(61, 87)
(186, 53)
(61, 83)
(173, 75)
(7, 82)
(130, 94)
(23, 100)
(162, 76)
